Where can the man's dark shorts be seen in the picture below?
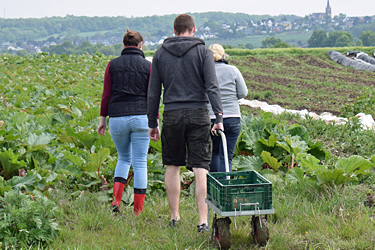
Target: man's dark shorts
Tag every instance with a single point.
(186, 138)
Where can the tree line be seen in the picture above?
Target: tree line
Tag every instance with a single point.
(30, 29)
(321, 38)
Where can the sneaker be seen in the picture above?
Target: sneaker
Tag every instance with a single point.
(173, 223)
(203, 228)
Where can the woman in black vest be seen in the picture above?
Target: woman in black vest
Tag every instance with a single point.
(124, 100)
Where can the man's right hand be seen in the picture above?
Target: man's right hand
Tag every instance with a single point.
(216, 127)
(154, 133)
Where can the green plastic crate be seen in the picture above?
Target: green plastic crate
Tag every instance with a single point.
(241, 187)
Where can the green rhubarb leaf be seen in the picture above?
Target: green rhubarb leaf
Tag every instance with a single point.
(76, 112)
(331, 177)
(86, 138)
(309, 162)
(28, 182)
(61, 118)
(353, 164)
(298, 130)
(270, 142)
(284, 145)
(294, 175)
(42, 139)
(246, 163)
(97, 160)
(316, 149)
(297, 145)
(9, 164)
(271, 161)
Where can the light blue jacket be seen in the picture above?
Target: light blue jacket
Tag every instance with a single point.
(232, 88)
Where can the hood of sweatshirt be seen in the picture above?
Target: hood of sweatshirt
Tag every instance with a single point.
(180, 45)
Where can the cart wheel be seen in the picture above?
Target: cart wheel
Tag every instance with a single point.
(221, 232)
(260, 233)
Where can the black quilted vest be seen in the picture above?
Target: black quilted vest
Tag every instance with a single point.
(130, 74)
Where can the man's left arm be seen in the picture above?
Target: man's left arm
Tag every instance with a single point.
(153, 96)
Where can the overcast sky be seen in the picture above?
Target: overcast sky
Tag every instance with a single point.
(140, 8)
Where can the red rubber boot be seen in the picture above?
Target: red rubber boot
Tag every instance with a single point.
(118, 188)
(139, 200)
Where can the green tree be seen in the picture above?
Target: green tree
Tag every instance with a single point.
(65, 48)
(227, 46)
(344, 41)
(334, 41)
(368, 38)
(85, 48)
(359, 43)
(317, 39)
(22, 52)
(270, 41)
(281, 45)
(107, 51)
(249, 46)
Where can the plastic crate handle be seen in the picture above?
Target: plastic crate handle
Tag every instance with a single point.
(249, 204)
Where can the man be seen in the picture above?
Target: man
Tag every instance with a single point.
(185, 68)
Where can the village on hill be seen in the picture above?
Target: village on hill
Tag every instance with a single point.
(209, 30)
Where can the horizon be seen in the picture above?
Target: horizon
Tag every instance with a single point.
(15, 9)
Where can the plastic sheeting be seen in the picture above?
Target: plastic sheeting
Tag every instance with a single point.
(364, 57)
(358, 64)
(367, 122)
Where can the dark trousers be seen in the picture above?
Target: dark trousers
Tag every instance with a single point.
(232, 129)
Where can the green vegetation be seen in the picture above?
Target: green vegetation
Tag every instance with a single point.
(322, 174)
(29, 29)
(26, 221)
(68, 48)
(335, 39)
(368, 38)
(294, 38)
(319, 38)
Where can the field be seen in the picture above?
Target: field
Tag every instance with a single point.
(52, 159)
(295, 79)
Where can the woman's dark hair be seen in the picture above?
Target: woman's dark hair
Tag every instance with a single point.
(132, 38)
(183, 23)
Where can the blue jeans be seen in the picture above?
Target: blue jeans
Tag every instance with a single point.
(232, 129)
(130, 135)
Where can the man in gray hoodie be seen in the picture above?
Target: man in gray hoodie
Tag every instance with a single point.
(184, 66)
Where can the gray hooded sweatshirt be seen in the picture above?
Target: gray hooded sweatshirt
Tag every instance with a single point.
(184, 66)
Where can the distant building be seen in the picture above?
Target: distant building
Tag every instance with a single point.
(328, 10)
(323, 16)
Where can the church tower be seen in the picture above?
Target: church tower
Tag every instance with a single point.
(328, 10)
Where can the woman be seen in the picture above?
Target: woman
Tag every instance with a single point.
(124, 100)
(232, 88)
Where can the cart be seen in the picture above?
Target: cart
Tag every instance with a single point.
(232, 194)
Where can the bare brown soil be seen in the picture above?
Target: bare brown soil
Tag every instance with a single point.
(304, 82)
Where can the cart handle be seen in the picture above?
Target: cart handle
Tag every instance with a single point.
(225, 149)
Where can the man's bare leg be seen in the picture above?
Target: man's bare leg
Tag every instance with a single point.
(173, 186)
(201, 193)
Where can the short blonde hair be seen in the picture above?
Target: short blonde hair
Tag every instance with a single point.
(218, 51)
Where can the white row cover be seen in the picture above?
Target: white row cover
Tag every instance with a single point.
(367, 121)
